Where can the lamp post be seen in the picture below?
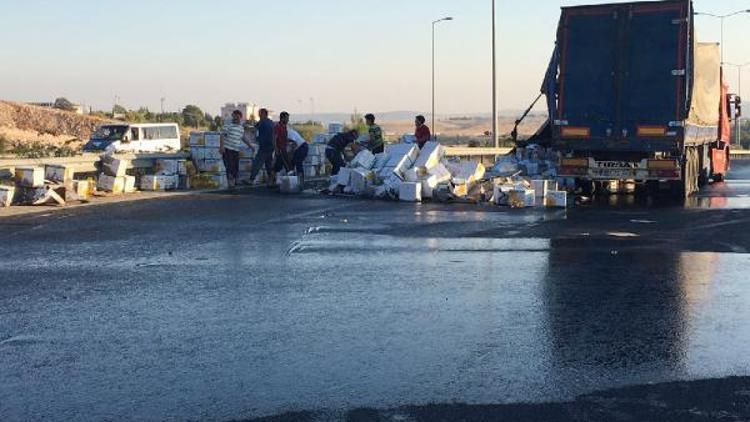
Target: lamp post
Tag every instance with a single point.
(495, 138)
(738, 120)
(434, 129)
(721, 18)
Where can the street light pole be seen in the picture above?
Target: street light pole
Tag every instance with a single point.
(738, 120)
(495, 138)
(434, 129)
(721, 18)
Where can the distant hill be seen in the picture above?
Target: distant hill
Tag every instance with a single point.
(399, 115)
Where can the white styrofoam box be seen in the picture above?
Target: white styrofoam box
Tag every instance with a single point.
(440, 174)
(128, 184)
(182, 167)
(335, 127)
(167, 167)
(58, 173)
(114, 167)
(109, 183)
(411, 175)
(245, 153)
(290, 184)
(157, 182)
(427, 188)
(460, 189)
(246, 166)
(380, 191)
(313, 160)
(410, 192)
(212, 139)
(82, 189)
(364, 159)
(311, 171)
(385, 173)
(210, 166)
(521, 198)
(398, 154)
(532, 168)
(360, 179)
(205, 153)
(31, 177)
(556, 199)
(471, 171)
(541, 187)
(381, 160)
(6, 195)
(344, 176)
(430, 155)
(197, 139)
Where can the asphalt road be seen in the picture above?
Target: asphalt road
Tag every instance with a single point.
(238, 306)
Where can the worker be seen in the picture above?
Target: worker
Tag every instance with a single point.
(298, 150)
(375, 141)
(422, 133)
(232, 139)
(264, 155)
(336, 146)
(280, 143)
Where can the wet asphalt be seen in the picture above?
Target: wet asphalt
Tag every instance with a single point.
(252, 304)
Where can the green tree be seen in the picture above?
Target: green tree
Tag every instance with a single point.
(118, 109)
(193, 116)
(63, 103)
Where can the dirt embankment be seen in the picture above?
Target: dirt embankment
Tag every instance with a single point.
(22, 123)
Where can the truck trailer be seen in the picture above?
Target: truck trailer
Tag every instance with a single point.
(632, 96)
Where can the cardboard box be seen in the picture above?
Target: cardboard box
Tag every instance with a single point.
(197, 139)
(159, 182)
(210, 166)
(128, 184)
(112, 184)
(430, 155)
(31, 177)
(410, 192)
(6, 195)
(114, 167)
(205, 153)
(212, 139)
(556, 199)
(58, 173)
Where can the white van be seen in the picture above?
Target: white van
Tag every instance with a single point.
(142, 137)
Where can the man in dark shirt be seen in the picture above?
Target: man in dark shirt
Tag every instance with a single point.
(336, 146)
(264, 155)
(422, 133)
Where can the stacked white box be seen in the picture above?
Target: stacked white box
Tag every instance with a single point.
(128, 185)
(58, 173)
(159, 182)
(556, 199)
(107, 183)
(410, 192)
(6, 195)
(30, 177)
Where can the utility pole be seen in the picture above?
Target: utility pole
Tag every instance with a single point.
(434, 129)
(495, 138)
(738, 119)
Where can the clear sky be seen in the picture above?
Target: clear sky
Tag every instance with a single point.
(369, 55)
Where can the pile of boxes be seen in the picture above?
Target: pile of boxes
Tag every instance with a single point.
(171, 174)
(114, 178)
(406, 173)
(37, 185)
(315, 163)
(208, 162)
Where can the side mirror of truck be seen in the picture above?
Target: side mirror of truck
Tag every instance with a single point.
(737, 107)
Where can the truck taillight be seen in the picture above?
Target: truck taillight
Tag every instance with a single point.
(646, 131)
(662, 164)
(575, 132)
(574, 162)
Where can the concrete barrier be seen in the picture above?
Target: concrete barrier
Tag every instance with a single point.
(86, 163)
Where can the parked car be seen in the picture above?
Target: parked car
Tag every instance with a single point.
(146, 137)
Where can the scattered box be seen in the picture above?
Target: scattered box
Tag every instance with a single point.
(359, 180)
(30, 177)
(521, 198)
(410, 192)
(112, 184)
(6, 195)
(113, 167)
(541, 187)
(556, 199)
(128, 184)
(159, 182)
(210, 166)
(430, 155)
(344, 176)
(167, 167)
(290, 184)
(212, 139)
(82, 189)
(58, 173)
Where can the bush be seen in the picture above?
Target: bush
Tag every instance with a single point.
(41, 150)
(4, 144)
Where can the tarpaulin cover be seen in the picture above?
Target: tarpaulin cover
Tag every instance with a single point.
(706, 99)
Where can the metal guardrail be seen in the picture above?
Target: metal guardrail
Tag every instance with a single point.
(86, 163)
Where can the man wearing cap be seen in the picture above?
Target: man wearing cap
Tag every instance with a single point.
(375, 142)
